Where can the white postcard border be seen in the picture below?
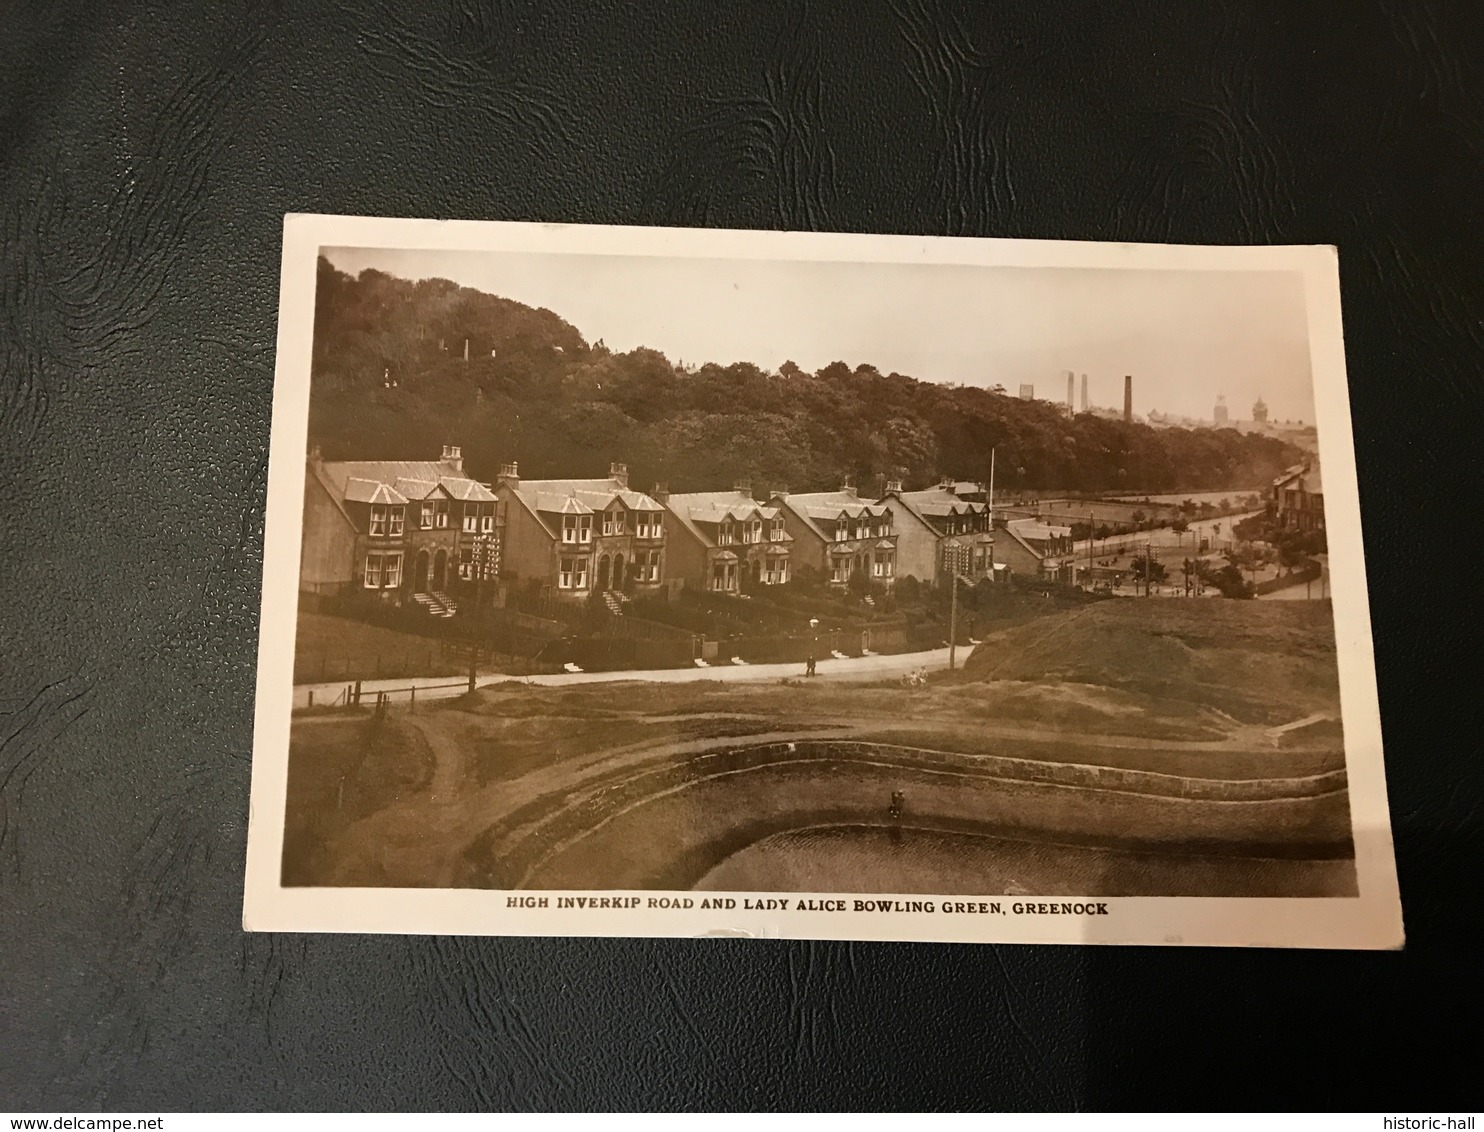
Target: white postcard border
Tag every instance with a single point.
(1371, 920)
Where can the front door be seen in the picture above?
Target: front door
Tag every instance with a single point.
(420, 573)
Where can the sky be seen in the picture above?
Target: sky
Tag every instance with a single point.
(1186, 337)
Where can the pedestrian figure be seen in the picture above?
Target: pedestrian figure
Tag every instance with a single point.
(813, 646)
(894, 811)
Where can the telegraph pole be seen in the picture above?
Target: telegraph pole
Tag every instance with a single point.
(952, 546)
(991, 515)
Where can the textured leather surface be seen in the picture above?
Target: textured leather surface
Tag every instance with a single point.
(147, 155)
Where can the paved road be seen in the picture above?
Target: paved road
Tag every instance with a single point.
(851, 668)
(1163, 538)
(1311, 591)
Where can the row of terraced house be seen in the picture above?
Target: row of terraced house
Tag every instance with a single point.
(425, 531)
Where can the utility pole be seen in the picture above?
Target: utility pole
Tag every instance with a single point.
(991, 515)
(952, 546)
(1146, 569)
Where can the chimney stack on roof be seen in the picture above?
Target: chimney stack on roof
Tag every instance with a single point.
(893, 486)
(453, 454)
(779, 492)
(509, 475)
(847, 485)
(619, 472)
(661, 493)
(742, 485)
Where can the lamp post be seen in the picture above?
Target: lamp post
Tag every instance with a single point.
(951, 548)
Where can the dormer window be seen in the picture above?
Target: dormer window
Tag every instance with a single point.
(487, 517)
(754, 530)
(842, 530)
(440, 514)
(775, 529)
(425, 518)
(726, 534)
(613, 522)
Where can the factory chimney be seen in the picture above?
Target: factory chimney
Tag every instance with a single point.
(1071, 387)
(1084, 392)
(1128, 399)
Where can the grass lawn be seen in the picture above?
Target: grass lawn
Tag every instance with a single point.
(336, 648)
(339, 772)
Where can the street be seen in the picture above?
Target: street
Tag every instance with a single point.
(830, 668)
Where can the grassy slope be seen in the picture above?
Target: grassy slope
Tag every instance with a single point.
(336, 648)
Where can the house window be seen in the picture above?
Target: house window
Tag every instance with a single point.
(577, 529)
(727, 534)
(775, 529)
(425, 518)
(777, 571)
(840, 570)
(647, 566)
(754, 530)
(466, 562)
(378, 520)
(394, 519)
(883, 566)
(383, 571)
(573, 574)
(471, 518)
(613, 522)
(486, 517)
(842, 530)
(440, 514)
(723, 576)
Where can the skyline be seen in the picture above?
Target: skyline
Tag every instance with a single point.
(1185, 336)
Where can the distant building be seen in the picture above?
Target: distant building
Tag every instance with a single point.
(838, 533)
(1219, 415)
(1027, 392)
(1260, 412)
(1034, 548)
(405, 529)
(927, 520)
(725, 541)
(1298, 498)
(583, 536)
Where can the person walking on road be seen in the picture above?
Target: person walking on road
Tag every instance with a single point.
(813, 646)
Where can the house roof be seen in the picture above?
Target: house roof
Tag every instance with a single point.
(1035, 529)
(1307, 475)
(403, 479)
(817, 507)
(596, 495)
(358, 490)
(699, 511)
(937, 503)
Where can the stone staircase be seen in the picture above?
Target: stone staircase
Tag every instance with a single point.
(615, 602)
(436, 604)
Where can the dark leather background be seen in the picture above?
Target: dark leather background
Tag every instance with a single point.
(148, 152)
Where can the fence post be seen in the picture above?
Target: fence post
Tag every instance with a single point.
(311, 697)
(358, 693)
(412, 701)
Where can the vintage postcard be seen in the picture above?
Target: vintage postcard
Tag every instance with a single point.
(634, 581)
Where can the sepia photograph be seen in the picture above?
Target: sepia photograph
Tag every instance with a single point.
(637, 574)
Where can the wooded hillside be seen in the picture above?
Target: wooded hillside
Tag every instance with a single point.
(390, 381)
